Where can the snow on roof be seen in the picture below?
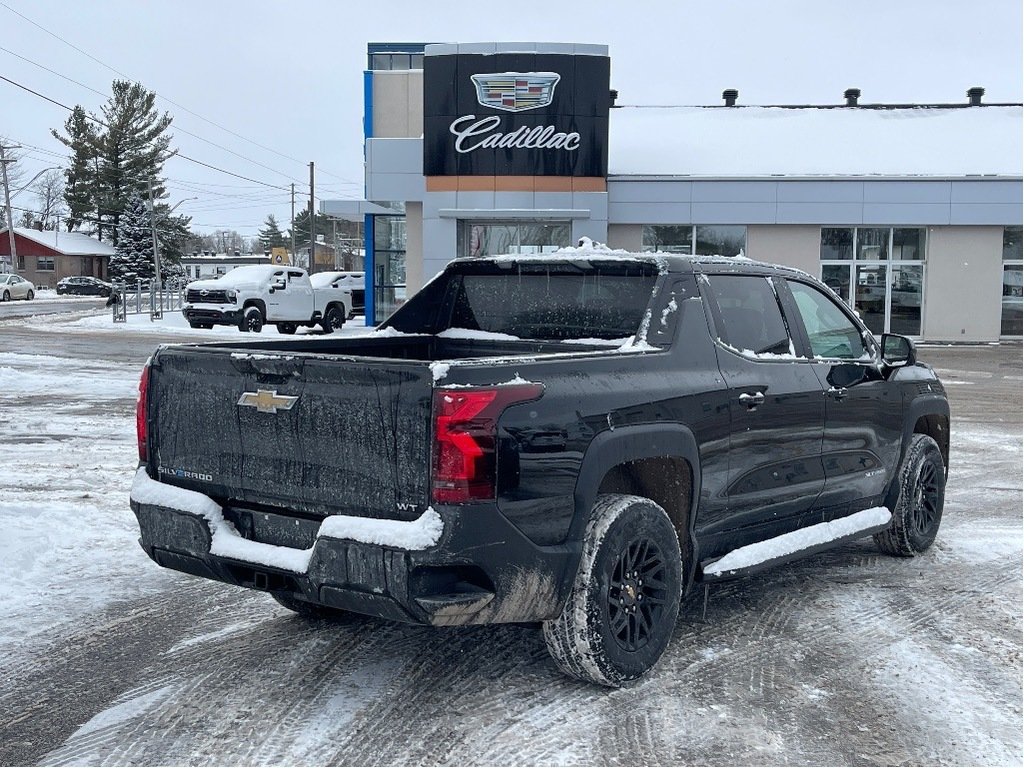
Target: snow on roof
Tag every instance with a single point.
(770, 141)
(69, 243)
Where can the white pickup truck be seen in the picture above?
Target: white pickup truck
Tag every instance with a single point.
(251, 297)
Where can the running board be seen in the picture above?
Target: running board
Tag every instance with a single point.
(761, 555)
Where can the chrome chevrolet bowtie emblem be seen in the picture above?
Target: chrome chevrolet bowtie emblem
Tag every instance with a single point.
(267, 401)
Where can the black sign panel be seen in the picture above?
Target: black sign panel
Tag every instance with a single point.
(515, 114)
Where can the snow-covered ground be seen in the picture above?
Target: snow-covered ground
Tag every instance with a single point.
(849, 657)
(172, 324)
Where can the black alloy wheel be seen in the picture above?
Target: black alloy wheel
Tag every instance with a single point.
(917, 513)
(637, 593)
(623, 603)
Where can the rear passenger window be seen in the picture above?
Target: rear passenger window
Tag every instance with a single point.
(832, 334)
(750, 315)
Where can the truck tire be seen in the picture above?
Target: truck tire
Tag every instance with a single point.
(287, 328)
(309, 610)
(334, 318)
(252, 320)
(624, 601)
(922, 490)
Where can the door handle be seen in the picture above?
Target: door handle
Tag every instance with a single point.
(838, 392)
(752, 400)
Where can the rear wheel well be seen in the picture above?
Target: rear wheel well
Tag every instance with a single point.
(936, 426)
(665, 480)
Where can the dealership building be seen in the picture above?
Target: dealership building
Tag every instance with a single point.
(910, 212)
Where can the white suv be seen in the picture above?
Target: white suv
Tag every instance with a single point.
(253, 296)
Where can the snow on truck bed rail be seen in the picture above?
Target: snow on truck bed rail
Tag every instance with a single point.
(421, 533)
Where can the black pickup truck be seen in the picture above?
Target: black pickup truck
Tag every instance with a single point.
(575, 439)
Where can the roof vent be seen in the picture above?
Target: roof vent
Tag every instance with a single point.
(975, 94)
(730, 95)
(851, 95)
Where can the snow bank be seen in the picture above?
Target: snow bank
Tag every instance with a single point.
(787, 544)
(421, 533)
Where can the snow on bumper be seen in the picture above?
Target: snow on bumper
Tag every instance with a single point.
(422, 533)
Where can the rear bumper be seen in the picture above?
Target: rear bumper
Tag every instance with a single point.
(214, 315)
(478, 570)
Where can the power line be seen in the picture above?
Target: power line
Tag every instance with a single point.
(165, 98)
(176, 154)
(177, 128)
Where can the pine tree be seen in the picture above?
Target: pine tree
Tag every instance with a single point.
(133, 259)
(114, 155)
(81, 190)
(271, 235)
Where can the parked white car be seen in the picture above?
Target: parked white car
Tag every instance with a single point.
(16, 287)
(253, 296)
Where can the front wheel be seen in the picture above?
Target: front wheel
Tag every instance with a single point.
(30, 295)
(333, 320)
(6, 296)
(918, 513)
(624, 601)
(252, 320)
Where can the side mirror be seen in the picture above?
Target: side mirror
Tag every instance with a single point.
(898, 351)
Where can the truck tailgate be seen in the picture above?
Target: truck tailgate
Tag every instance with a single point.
(356, 439)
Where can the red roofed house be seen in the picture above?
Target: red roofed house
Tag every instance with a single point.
(46, 257)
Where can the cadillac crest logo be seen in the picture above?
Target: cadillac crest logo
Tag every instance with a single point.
(515, 91)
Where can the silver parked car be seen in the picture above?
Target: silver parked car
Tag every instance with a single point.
(16, 287)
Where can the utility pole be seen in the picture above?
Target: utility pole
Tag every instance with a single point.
(334, 240)
(312, 225)
(156, 311)
(292, 227)
(7, 202)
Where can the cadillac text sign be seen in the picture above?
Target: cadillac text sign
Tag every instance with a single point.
(515, 114)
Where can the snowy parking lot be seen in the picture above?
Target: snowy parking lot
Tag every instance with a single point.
(849, 657)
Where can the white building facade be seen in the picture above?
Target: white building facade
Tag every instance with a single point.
(911, 213)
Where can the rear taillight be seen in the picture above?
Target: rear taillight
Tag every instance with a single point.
(141, 412)
(465, 437)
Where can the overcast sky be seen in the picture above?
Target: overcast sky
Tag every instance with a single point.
(288, 75)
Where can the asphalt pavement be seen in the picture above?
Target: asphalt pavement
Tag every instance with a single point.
(848, 657)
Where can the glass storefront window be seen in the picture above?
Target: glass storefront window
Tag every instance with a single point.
(1013, 300)
(1012, 244)
(872, 244)
(702, 239)
(836, 244)
(838, 279)
(389, 265)
(720, 240)
(869, 296)
(908, 244)
(906, 289)
(494, 238)
(668, 238)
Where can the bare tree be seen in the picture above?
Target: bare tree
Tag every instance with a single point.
(49, 192)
